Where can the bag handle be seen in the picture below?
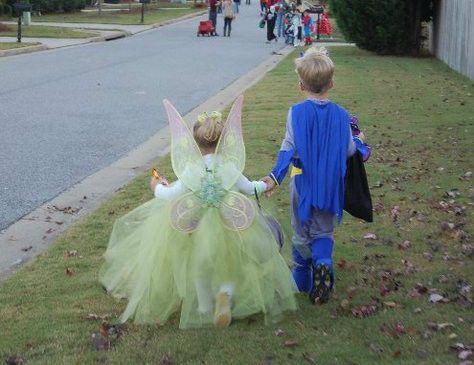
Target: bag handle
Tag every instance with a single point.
(257, 198)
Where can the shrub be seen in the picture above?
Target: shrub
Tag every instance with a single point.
(50, 6)
(6, 10)
(382, 26)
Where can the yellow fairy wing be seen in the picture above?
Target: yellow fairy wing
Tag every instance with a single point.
(237, 211)
(186, 157)
(186, 212)
(230, 151)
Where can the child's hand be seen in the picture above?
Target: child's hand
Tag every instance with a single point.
(361, 136)
(270, 185)
(155, 181)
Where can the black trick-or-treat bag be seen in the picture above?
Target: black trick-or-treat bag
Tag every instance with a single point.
(273, 224)
(357, 199)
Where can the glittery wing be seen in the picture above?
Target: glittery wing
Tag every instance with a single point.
(237, 211)
(230, 151)
(186, 157)
(186, 212)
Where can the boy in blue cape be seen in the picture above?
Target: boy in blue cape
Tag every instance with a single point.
(317, 143)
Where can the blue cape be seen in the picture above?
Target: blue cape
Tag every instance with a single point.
(321, 135)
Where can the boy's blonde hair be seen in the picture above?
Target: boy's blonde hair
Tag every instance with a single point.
(207, 130)
(315, 70)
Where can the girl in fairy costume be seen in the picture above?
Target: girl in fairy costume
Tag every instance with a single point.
(201, 246)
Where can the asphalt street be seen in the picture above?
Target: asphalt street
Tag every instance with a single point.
(67, 113)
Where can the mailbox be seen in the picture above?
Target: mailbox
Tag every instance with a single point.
(21, 7)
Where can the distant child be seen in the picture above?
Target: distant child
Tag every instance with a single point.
(201, 247)
(296, 27)
(307, 23)
(317, 143)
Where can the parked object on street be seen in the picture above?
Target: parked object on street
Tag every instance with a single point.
(205, 28)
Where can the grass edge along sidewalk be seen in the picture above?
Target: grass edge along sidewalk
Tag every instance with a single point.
(417, 115)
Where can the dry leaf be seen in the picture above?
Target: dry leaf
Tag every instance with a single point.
(279, 332)
(370, 236)
(69, 272)
(290, 343)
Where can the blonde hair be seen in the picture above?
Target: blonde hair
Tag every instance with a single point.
(207, 130)
(315, 70)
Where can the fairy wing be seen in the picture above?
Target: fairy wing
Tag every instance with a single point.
(237, 211)
(230, 152)
(186, 212)
(186, 157)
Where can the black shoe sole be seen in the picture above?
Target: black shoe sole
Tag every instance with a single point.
(321, 284)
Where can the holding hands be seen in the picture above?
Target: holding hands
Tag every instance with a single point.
(271, 185)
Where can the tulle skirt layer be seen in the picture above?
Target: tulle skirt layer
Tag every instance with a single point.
(162, 270)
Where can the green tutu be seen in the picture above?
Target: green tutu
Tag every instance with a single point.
(161, 270)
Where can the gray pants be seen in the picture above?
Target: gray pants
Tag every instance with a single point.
(321, 224)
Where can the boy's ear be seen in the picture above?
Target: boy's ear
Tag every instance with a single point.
(331, 84)
(301, 85)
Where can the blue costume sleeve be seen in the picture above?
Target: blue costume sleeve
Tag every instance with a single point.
(286, 154)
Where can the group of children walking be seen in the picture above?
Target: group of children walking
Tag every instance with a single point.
(295, 25)
(204, 247)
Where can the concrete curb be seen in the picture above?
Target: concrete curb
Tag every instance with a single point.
(171, 21)
(33, 233)
(23, 50)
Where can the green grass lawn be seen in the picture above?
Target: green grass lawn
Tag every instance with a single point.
(418, 116)
(152, 16)
(40, 31)
(8, 45)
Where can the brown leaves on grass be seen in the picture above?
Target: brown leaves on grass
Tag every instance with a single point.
(364, 311)
(103, 340)
(14, 360)
(69, 272)
(290, 343)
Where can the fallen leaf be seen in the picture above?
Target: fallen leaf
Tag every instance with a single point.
(95, 317)
(166, 360)
(14, 360)
(405, 245)
(390, 304)
(400, 329)
(307, 356)
(290, 343)
(435, 298)
(397, 353)
(370, 236)
(364, 311)
(69, 272)
(465, 354)
(428, 256)
(376, 349)
(342, 264)
(442, 326)
(279, 332)
(452, 336)
(70, 253)
(101, 343)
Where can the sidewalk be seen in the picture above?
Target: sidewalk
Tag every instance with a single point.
(130, 29)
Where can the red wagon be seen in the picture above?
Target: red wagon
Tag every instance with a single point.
(205, 28)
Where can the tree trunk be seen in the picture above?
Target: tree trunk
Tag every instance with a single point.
(414, 13)
(100, 7)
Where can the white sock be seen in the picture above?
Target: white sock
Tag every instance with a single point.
(227, 288)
